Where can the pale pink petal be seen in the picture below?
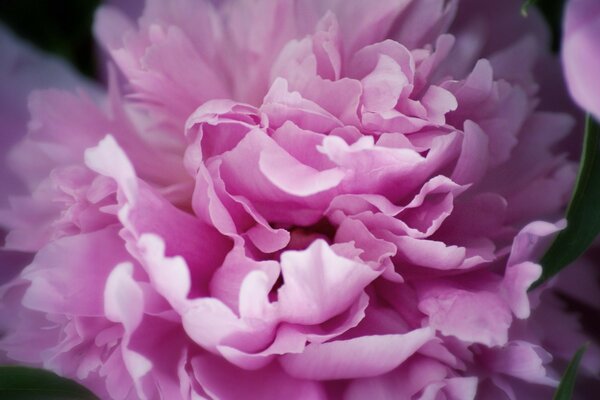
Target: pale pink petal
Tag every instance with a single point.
(123, 302)
(312, 280)
(295, 178)
(580, 52)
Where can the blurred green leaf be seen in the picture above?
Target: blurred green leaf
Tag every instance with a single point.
(567, 383)
(21, 383)
(552, 11)
(526, 6)
(583, 213)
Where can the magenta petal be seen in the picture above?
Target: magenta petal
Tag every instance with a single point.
(473, 162)
(73, 288)
(521, 360)
(517, 280)
(532, 239)
(144, 211)
(361, 357)
(227, 280)
(429, 253)
(412, 377)
(208, 321)
(270, 383)
(451, 389)
(288, 340)
(478, 317)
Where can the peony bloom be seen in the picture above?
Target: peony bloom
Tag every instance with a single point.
(581, 53)
(292, 199)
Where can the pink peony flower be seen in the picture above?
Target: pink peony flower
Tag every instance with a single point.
(292, 199)
(581, 53)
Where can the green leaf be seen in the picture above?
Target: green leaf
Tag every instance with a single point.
(526, 6)
(21, 383)
(583, 213)
(567, 383)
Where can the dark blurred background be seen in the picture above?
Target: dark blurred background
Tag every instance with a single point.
(63, 27)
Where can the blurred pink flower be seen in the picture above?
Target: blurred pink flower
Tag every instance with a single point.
(581, 53)
(294, 199)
